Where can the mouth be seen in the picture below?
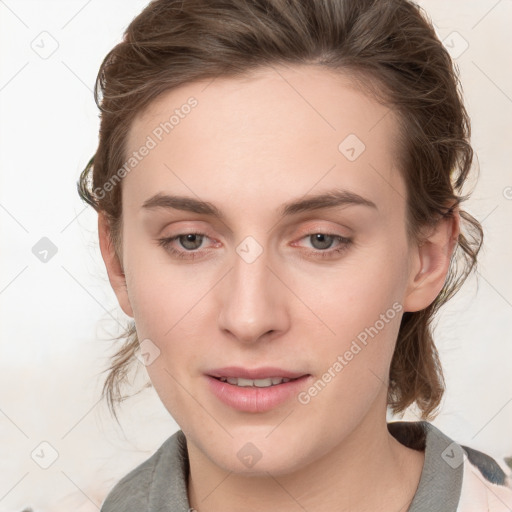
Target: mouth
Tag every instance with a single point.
(256, 391)
(255, 383)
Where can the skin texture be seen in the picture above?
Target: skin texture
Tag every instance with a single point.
(249, 146)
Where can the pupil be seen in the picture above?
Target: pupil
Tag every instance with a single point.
(191, 239)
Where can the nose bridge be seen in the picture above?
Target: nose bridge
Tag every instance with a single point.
(250, 274)
(251, 303)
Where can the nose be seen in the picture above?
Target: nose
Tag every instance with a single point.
(253, 301)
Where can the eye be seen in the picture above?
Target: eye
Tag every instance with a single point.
(322, 241)
(189, 241)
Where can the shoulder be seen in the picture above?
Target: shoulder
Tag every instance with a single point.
(132, 491)
(485, 486)
(455, 477)
(135, 490)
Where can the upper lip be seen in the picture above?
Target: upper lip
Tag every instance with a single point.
(254, 373)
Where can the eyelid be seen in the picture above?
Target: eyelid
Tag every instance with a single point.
(317, 227)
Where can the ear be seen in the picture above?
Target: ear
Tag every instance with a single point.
(115, 269)
(430, 263)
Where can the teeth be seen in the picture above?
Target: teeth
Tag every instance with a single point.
(259, 383)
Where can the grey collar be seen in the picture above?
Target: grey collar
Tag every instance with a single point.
(441, 478)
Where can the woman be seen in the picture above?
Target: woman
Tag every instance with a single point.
(278, 186)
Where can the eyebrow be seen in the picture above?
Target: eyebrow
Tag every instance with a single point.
(331, 199)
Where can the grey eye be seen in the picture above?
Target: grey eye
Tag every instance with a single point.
(191, 241)
(323, 241)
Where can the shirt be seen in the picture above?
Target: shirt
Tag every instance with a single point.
(454, 478)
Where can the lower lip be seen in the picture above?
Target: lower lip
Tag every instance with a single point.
(254, 399)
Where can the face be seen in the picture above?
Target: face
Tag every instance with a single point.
(263, 277)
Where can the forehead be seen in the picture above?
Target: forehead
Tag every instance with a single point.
(241, 140)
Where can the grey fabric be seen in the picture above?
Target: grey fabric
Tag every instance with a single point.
(441, 478)
(160, 483)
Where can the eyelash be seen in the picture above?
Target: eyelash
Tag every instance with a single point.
(344, 245)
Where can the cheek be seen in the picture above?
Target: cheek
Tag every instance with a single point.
(163, 295)
(353, 295)
(168, 375)
(360, 309)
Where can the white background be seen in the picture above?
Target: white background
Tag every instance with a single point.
(56, 317)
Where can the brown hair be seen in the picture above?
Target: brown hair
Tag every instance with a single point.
(389, 47)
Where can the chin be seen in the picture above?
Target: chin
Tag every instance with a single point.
(252, 453)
